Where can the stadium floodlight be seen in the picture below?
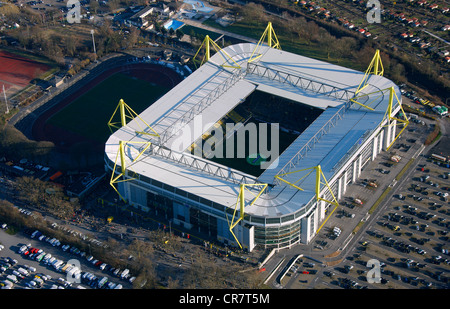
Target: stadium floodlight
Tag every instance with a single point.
(93, 43)
(6, 102)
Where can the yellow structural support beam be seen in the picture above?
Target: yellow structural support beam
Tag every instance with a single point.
(116, 175)
(127, 113)
(208, 43)
(241, 204)
(375, 68)
(272, 41)
(399, 122)
(319, 181)
(367, 105)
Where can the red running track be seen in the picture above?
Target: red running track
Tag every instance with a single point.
(18, 71)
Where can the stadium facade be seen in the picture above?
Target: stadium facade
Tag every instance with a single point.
(154, 168)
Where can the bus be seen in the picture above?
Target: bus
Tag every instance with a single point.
(439, 158)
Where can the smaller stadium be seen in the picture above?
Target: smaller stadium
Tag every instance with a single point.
(119, 78)
(257, 146)
(18, 70)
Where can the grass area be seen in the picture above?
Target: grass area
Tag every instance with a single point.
(405, 168)
(288, 42)
(247, 165)
(5, 117)
(191, 30)
(379, 200)
(89, 114)
(30, 56)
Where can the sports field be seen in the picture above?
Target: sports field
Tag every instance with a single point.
(89, 114)
(16, 71)
(284, 119)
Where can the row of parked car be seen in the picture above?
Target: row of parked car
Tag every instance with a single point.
(58, 265)
(74, 272)
(123, 274)
(25, 273)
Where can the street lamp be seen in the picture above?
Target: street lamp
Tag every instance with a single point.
(6, 102)
(93, 44)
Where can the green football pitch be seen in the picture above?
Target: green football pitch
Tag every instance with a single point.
(89, 114)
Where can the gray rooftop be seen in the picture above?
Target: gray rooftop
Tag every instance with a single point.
(212, 91)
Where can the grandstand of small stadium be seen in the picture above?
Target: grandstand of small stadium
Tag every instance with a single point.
(331, 120)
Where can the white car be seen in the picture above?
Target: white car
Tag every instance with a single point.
(22, 249)
(29, 268)
(2, 247)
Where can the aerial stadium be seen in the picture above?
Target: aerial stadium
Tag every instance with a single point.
(326, 123)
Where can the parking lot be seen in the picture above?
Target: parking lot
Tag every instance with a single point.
(45, 264)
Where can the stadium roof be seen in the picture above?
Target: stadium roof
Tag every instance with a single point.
(214, 89)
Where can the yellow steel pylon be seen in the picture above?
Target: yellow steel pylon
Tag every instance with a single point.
(388, 113)
(272, 41)
(208, 43)
(389, 116)
(127, 113)
(319, 177)
(123, 166)
(354, 99)
(241, 202)
(375, 68)
(318, 183)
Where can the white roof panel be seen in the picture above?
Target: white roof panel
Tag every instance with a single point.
(165, 114)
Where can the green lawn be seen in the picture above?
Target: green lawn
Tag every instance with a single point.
(288, 42)
(89, 114)
(191, 30)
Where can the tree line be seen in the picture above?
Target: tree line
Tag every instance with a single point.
(144, 256)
